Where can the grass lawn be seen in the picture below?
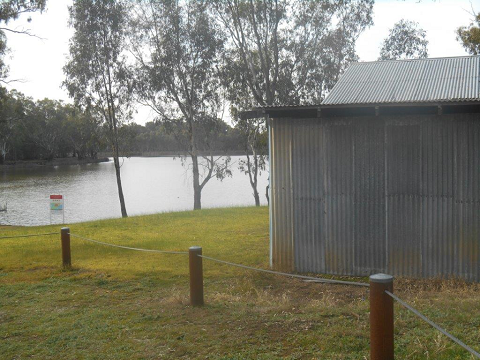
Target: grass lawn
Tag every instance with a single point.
(121, 304)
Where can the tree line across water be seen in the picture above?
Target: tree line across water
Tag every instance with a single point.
(48, 129)
(189, 60)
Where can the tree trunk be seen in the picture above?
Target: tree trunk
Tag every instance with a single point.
(197, 190)
(116, 161)
(252, 175)
(256, 196)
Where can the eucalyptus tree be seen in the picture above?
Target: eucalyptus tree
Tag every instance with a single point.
(10, 114)
(290, 51)
(83, 133)
(406, 40)
(285, 52)
(178, 47)
(11, 10)
(97, 74)
(45, 126)
(255, 146)
(470, 36)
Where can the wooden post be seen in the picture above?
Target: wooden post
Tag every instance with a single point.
(196, 275)
(381, 317)
(66, 255)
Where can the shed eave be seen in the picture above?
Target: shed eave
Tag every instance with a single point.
(310, 111)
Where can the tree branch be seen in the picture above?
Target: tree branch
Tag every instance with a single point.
(23, 32)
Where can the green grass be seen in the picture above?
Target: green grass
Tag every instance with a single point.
(120, 304)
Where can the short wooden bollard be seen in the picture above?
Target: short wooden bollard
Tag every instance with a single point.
(196, 275)
(66, 256)
(381, 317)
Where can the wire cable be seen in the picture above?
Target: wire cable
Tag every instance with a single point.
(129, 248)
(25, 236)
(443, 331)
(315, 279)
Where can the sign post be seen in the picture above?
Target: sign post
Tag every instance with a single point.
(57, 204)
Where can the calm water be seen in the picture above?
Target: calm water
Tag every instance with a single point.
(150, 185)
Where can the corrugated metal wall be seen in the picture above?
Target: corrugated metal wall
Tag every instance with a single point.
(361, 195)
(281, 195)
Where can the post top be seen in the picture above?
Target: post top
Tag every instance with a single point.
(193, 248)
(381, 278)
(65, 229)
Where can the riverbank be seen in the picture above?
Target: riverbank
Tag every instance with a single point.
(177, 153)
(122, 304)
(28, 164)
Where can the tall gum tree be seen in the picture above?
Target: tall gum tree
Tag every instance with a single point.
(255, 144)
(11, 10)
(470, 36)
(285, 52)
(97, 75)
(177, 50)
(405, 40)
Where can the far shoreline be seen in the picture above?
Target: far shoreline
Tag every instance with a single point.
(35, 164)
(146, 154)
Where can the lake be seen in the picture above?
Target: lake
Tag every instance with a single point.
(150, 185)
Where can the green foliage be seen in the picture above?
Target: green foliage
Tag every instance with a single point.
(12, 9)
(45, 129)
(177, 50)
(84, 133)
(46, 126)
(96, 72)
(405, 41)
(158, 137)
(470, 36)
(288, 51)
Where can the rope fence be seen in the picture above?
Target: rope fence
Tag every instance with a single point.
(26, 236)
(127, 247)
(443, 331)
(311, 278)
(380, 286)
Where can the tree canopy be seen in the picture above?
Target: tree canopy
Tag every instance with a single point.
(46, 129)
(470, 36)
(288, 51)
(405, 41)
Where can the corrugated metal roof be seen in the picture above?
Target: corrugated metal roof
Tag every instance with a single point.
(451, 79)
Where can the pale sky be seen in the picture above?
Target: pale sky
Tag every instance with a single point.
(39, 62)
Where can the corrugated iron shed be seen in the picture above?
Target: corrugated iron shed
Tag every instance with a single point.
(454, 79)
(384, 175)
